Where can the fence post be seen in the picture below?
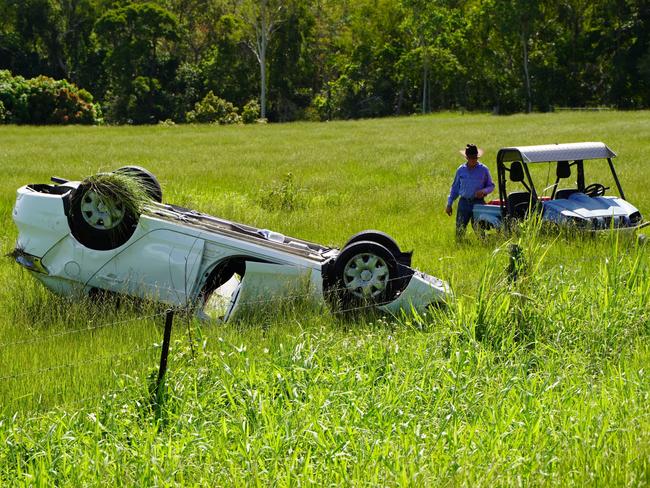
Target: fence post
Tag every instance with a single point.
(162, 370)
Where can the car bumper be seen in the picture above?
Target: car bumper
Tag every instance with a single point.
(621, 230)
(423, 290)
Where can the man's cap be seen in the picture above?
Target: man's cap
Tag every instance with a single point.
(472, 150)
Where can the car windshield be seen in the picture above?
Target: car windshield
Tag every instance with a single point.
(544, 176)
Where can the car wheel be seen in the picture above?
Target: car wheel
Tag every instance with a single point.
(366, 275)
(378, 237)
(146, 178)
(100, 221)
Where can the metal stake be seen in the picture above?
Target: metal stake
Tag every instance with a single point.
(162, 370)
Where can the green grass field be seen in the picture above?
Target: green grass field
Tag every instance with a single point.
(544, 382)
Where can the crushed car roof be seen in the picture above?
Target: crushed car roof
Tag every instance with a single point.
(556, 152)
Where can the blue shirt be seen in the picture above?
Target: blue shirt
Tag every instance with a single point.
(468, 181)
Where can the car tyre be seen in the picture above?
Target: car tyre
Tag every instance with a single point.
(146, 178)
(98, 221)
(378, 237)
(366, 275)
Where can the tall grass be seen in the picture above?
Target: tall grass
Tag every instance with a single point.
(540, 380)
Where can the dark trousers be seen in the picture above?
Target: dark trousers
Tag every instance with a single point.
(464, 214)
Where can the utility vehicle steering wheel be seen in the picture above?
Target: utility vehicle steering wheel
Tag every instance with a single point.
(595, 190)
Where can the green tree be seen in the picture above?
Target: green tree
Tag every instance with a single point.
(136, 40)
(29, 37)
(519, 19)
(228, 66)
(493, 79)
(363, 79)
(75, 20)
(293, 79)
(150, 60)
(623, 51)
(434, 31)
(261, 19)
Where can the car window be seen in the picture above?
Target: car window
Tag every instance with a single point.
(544, 176)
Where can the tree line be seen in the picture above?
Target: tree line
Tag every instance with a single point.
(150, 61)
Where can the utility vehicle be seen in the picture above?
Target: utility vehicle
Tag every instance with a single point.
(572, 198)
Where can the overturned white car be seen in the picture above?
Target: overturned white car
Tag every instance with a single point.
(80, 237)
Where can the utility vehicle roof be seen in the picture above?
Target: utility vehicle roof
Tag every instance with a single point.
(556, 152)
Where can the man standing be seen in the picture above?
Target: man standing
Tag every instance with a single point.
(471, 183)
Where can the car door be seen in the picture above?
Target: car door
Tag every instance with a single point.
(162, 265)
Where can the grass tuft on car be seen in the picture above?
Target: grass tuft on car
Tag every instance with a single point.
(124, 188)
(105, 208)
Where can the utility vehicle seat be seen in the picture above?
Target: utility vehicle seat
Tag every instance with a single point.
(518, 204)
(564, 193)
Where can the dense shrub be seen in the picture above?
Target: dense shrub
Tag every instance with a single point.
(345, 98)
(44, 100)
(319, 109)
(143, 102)
(214, 109)
(251, 112)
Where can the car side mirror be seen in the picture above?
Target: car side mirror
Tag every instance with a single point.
(516, 172)
(563, 170)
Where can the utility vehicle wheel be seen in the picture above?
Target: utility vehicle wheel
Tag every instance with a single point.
(521, 210)
(484, 229)
(366, 274)
(99, 220)
(146, 178)
(377, 236)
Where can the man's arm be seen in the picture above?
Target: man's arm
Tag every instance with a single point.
(453, 193)
(488, 186)
(454, 190)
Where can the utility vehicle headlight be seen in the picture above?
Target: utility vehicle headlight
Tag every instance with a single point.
(579, 222)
